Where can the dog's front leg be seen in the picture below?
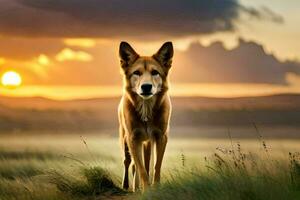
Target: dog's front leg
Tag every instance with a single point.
(136, 180)
(161, 142)
(136, 151)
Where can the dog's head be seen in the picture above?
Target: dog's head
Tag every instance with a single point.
(146, 76)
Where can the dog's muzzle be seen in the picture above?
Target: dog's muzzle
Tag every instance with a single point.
(146, 90)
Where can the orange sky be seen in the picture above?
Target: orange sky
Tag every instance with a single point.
(200, 89)
(71, 67)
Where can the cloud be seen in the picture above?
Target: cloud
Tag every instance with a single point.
(29, 48)
(64, 65)
(263, 13)
(122, 18)
(52, 62)
(80, 42)
(43, 60)
(68, 54)
(2, 61)
(247, 63)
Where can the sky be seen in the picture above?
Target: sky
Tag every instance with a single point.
(223, 48)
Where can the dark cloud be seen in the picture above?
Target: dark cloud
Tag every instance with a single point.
(247, 63)
(121, 18)
(263, 13)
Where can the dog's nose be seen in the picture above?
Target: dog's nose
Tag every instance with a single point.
(146, 88)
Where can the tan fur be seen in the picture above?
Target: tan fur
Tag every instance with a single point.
(144, 117)
(145, 108)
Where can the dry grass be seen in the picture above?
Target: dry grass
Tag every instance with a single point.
(78, 168)
(233, 173)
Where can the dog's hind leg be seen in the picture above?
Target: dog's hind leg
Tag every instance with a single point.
(127, 161)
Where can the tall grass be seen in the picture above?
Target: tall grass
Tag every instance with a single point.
(229, 173)
(233, 174)
(46, 175)
(92, 181)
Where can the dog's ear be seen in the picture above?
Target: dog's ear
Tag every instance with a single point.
(165, 54)
(127, 54)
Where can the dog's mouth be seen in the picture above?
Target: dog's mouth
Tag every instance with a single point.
(146, 95)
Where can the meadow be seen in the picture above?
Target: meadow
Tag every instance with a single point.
(89, 166)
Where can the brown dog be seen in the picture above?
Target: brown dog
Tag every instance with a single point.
(144, 111)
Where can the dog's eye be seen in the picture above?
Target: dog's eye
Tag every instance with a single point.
(154, 72)
(137, 72)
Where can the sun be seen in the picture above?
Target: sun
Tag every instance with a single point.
(11, 79)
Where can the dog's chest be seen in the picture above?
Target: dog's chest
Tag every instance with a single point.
(145, 109)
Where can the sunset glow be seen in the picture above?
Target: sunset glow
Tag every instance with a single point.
(11, 79)
(254, 54)
(176, 90)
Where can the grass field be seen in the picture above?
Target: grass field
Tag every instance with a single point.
(90, 167)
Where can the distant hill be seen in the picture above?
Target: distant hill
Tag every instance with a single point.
(41, 114)
(280, 101)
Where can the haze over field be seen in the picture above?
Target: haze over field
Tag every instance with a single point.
(276, 116)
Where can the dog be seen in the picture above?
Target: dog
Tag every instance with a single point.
(144, 112)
